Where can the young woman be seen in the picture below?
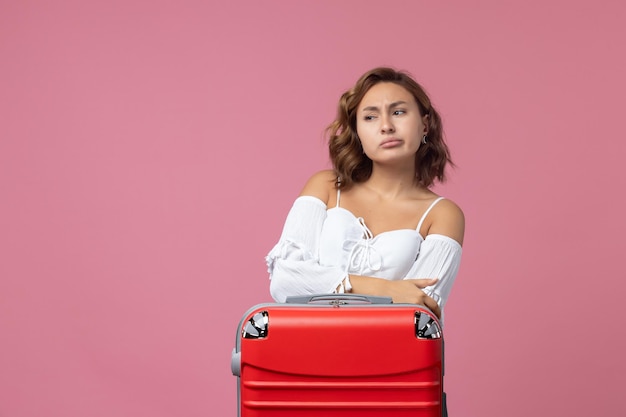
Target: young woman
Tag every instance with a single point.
(372, 225)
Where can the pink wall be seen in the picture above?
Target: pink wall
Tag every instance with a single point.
(149, 151)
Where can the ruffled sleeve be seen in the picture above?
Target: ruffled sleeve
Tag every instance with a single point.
(439, 257)
(293, 264)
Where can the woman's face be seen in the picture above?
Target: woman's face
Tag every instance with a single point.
(389, 123)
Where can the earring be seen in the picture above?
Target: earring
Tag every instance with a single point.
(424, 141)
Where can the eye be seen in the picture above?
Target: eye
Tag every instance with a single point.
(369, 117)
(399, 112)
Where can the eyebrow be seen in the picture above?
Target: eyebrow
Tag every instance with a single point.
(391, 106)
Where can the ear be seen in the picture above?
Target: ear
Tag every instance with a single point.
(426, 122)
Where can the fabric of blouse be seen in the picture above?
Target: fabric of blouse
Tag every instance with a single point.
(319, 247)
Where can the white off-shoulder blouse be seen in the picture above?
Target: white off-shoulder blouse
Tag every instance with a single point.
(319, 247)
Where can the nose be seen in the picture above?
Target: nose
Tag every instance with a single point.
(386, 126)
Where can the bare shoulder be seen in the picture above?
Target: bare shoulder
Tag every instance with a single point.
(448, 219)
(320, 185)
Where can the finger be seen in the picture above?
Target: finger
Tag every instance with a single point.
(423, 282)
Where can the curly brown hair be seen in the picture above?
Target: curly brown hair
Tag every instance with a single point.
(351, 165)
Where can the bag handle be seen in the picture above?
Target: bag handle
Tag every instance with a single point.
(338, 299)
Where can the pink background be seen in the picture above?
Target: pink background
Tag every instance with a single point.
(150, 150)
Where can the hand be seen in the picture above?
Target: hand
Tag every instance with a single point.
(401, 291)
(409, 291)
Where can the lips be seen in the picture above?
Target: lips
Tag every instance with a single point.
(390, 143)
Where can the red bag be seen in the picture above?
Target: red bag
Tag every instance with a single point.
(339, 355)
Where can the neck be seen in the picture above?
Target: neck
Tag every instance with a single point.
(391, 182)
